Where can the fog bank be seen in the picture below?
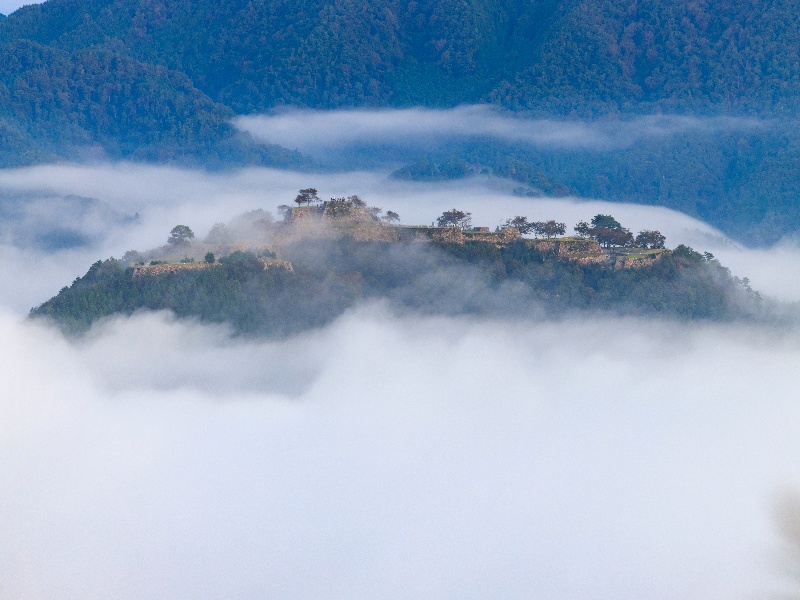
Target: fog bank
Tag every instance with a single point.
(314, 132)
(394, 457)
(383, 456)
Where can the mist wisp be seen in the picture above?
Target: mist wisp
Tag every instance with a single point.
(314, 132)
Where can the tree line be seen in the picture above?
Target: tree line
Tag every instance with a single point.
(604, 228)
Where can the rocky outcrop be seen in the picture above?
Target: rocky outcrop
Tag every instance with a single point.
(415, 233)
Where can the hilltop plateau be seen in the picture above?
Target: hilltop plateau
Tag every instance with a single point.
(264, 277)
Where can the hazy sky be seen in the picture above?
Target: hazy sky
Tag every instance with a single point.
(384, 456)
(9, 6)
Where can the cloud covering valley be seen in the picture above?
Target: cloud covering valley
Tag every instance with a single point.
(424, 457)
(387, 455)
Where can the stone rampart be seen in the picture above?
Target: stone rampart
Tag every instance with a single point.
(582, 251)
(637, 260)
(276, 264)
(161, 269)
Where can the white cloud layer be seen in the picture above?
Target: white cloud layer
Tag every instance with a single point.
(421, 458)
(310, 131)
(384, 456)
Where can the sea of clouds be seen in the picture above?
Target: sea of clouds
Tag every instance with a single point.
(396, 457)
(387, 455)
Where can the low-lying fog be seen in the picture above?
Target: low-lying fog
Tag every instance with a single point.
(384, 456)
(394, 458)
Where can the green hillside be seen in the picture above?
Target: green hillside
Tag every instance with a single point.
(720, 53)
(326, 277)
(54, 102)
(254, 55)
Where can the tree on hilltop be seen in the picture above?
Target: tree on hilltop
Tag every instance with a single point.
(455, 218)
(606, 230)
(582, 229)
(356, 201)
(180, 235)
(613, 237)
(549, 229)
(307, 196)
(131, 256)
(218, 234)
(391, 217)
(521, 224)
(650, 239)
(606, 222)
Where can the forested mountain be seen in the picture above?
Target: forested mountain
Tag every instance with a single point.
(160, 80)
(254, 55)
(330, 276)
(717, 53)
(96, 96)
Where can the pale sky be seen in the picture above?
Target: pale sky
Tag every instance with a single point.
(9, 6)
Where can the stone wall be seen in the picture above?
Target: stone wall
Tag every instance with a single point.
(361, 225)
(300, 214)
(582, 251)
(276, 264)
(482, 234)
(345, 212)
(637, 261)
(161, 269)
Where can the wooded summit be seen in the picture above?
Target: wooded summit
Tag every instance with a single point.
(268, 277)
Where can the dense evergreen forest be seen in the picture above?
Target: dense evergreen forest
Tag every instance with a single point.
(161, 79)
(254, 55)
(330, 276)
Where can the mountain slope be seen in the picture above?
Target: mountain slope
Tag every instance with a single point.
(254, 55)
(326, 277)
(723, 53)
(55, 102)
